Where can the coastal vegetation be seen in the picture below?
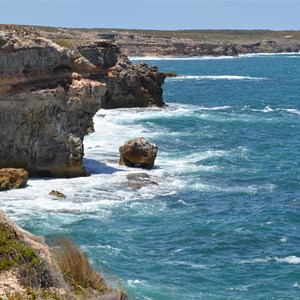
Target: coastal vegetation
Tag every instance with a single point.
(76, 268)
(34, 271)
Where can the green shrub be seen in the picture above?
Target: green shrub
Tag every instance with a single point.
(14, 251)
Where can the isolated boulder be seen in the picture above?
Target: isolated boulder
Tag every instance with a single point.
(12, 178)
(138, 152)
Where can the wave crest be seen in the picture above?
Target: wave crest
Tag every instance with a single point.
(216, 77)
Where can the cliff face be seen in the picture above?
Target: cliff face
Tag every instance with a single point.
(128, 84)
(49, 95)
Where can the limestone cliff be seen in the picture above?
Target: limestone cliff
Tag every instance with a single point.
(128, 84)
(49, 95)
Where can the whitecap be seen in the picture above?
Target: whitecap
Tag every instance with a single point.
(256, 260)
(251, 189)
(175, 58)
(240, 288)
(293, 111)
(187, 264)
(206, 57)
(214, 108)
(216, 77)
(267, 54)
(106, 247)
(181, 249)
(134, 282)
(289, 259)
(268, 109)
(184, 203)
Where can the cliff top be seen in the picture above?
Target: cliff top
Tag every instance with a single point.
(79, 35)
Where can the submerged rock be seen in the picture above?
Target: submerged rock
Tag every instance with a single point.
(137, 181)
(138, 152)
(12, 178)
(57, 194)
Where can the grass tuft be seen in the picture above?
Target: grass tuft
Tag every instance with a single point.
(76, 268)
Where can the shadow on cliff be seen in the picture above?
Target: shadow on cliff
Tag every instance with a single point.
(93, 166)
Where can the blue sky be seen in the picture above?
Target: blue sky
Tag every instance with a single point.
(155, 14)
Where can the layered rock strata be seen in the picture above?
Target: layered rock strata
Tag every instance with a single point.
(49, 95)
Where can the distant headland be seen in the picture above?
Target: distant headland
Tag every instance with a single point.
(179, 42)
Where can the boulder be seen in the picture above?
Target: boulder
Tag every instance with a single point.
(12, 178)
(138, 152)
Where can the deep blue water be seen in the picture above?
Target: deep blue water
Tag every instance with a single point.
(224, 220)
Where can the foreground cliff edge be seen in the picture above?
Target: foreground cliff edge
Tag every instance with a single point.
(50, 93)
(29, 269)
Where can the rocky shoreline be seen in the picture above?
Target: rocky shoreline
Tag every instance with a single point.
(52, 82)
(165, 46)
(50, 93)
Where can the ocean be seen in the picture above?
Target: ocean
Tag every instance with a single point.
(219, 217)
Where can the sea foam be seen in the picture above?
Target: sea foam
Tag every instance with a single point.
(216, 77)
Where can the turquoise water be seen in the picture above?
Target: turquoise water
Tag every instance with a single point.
(223, 221)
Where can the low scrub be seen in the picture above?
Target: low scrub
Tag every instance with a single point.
(64, 43)
(13, 251)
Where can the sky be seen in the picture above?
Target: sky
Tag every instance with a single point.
(154, 14)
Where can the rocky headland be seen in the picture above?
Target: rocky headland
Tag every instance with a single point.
(49, 93)
(143, 45)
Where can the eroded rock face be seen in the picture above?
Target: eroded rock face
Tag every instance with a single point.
(138, 152)
(42, 130)
(49, 95)
(12, 178)
(128, 85)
